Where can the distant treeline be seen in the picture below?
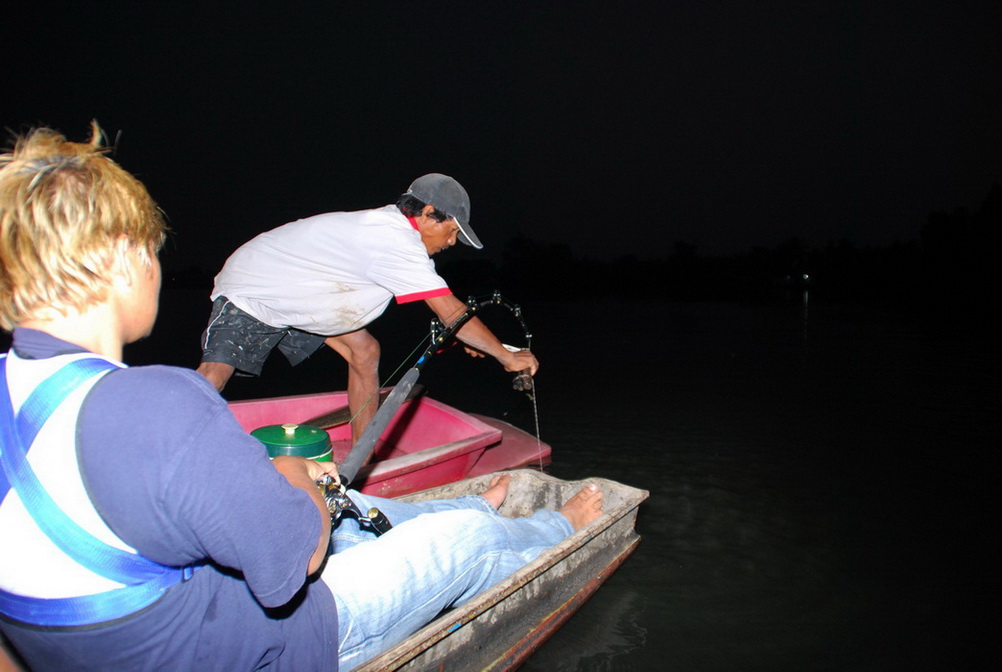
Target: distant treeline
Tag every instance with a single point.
(952, 264)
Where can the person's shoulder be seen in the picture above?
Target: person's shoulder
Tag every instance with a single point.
(391, 212)
(336, 223)
(168, 376)
(388, 215)
(388, 211)
(167, 389)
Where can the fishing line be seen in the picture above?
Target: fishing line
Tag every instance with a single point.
(393, 373)
(535, 413)
(539, 441)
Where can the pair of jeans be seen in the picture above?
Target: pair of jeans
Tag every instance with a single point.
(438, 555)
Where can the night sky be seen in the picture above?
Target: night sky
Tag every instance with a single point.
(616, 128)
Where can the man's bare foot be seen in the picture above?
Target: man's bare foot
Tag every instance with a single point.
(583, 507)
(497, 491)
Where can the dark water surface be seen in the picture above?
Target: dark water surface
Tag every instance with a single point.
(822, 478)
(822, 481)
(822, 485)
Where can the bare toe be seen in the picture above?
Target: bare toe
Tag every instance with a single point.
(497, 491)
(584, 507)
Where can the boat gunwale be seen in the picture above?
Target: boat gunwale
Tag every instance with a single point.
(477, 435)
(443, 626)
(471, 420)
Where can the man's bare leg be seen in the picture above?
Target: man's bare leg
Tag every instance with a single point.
(217, 373)
(583, 507)
(361, 351)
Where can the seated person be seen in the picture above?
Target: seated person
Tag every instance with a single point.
(142, 527)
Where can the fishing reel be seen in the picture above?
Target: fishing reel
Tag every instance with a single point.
(522, 382)
(340, 504)
(441, 333)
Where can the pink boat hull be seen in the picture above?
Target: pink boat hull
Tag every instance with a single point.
(427, 443)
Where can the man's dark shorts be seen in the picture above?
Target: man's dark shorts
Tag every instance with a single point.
(233, 337)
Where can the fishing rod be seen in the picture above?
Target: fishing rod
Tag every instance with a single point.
(334, 493)
(440, 334)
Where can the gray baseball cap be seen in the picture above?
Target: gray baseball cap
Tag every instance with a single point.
(447, 195)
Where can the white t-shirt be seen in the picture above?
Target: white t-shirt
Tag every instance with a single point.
(331, 273)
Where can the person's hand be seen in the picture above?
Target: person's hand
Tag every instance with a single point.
(522, 360)
(317, 470)
(472, 352)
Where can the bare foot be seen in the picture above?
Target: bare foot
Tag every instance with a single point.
(583, 507)
(497, 491)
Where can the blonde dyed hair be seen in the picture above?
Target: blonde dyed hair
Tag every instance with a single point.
(63, 208)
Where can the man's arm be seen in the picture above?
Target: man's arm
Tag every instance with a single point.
(303, 473)
(476, 335)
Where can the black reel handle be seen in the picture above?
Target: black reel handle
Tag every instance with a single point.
(340, 504)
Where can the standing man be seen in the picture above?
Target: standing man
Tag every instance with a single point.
(322, 279)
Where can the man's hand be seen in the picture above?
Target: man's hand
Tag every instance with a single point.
(303, 474)
(522, 360)
(317, 470)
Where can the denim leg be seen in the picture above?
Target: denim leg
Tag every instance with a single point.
(391, 586)
(349, 532)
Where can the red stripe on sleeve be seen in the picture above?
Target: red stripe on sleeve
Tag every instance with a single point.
(420, 296)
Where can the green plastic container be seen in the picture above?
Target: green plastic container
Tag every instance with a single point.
(291, 439)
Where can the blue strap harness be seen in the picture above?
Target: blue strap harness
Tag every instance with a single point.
(145, 581)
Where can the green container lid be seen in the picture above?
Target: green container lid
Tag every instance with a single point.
(299, 440)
